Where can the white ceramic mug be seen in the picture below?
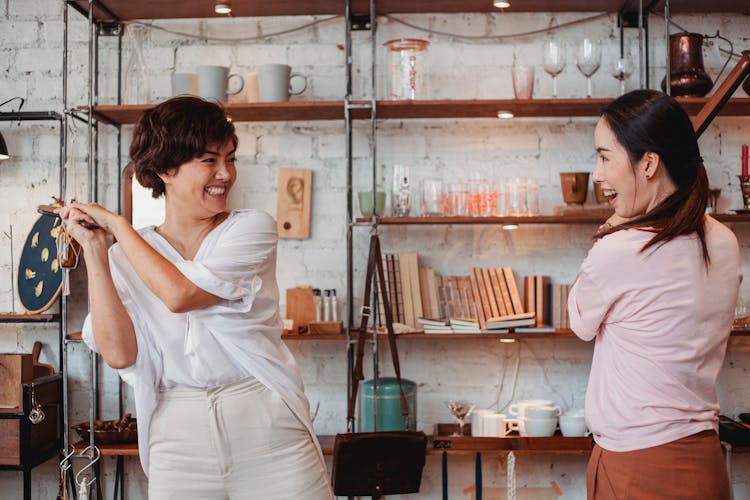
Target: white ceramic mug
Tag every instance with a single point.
(213, 83)
(496, 425)
(573, 425)
(478, 421)
(184, 84)
(275, 82)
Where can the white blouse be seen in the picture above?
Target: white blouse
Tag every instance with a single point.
(237, 337)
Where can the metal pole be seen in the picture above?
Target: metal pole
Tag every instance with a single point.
(641, 67)
(349, 219)
(668, 71)
(373, 153)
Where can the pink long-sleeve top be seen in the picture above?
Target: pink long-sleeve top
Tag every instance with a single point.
(661, 320)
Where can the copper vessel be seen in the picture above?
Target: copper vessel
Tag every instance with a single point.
(688, 77)
(746, 86)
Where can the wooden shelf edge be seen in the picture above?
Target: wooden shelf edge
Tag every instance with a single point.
(420, 109)
(28, 318)
(535, 219)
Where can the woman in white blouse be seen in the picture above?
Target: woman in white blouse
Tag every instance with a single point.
(188, 313)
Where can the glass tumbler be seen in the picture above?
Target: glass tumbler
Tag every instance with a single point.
(517, 197)
(457, 198)
(432, 197)
(407, 72)
(401, 191)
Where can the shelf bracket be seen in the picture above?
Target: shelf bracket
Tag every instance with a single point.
(360, 22)
(108, 28)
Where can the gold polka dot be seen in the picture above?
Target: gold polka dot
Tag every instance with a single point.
(45, 254)
(39, 288)
(35, 240)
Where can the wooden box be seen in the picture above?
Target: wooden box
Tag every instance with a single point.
(15, 369)
(24, 444)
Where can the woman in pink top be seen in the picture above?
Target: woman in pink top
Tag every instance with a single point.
(657, 293)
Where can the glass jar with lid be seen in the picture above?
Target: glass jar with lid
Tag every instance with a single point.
(406, 68)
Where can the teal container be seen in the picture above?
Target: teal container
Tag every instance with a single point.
(389, 405)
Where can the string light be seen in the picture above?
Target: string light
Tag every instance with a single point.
(500, 4)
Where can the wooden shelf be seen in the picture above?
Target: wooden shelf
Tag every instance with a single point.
(537, 219)
(557, 334)
(394, 110)
(174, 9)
(555, 445)
(28, 318)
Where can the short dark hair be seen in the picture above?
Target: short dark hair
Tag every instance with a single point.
(174, 132)
(651, 121)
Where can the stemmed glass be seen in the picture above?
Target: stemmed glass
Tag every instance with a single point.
(460, 410)
(621, 69)
(554, 61)
(588, 60)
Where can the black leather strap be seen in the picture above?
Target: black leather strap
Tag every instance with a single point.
(375, 265)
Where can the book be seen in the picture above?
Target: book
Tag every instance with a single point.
(432, 294)
(513, 289)
(416, 296)
(491, 299)
(542, 300)
(523, 319)
(505, 291)
(481, 317)
(403, 265)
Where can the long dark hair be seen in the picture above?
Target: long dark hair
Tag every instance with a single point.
(651, 121)
(174, 132)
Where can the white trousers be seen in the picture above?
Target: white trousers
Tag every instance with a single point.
(234, 442)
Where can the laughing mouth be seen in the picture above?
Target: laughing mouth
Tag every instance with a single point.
(216, 191)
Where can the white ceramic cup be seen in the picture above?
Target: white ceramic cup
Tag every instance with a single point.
(184, 84)
(495, 425)
(213, 83)
(478, 421)
(251, 86)
(573, 425)
(518, 409)
(542, 412)
(275, 82)
(540, 427)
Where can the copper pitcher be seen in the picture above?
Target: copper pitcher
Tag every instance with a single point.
(687, 76)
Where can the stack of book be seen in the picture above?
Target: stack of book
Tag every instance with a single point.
(560, 318)
(499, 305)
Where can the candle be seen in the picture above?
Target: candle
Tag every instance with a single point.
(744, 160)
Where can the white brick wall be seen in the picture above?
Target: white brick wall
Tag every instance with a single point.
(481, 370)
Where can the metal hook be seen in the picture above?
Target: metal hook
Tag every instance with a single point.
(92, 460)
(65, 462)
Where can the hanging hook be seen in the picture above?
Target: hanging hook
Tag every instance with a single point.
(65, 463)
(92, 460)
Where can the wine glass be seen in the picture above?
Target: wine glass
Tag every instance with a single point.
(588, 60)
(554, 61)
(621, 69)
(460, 410)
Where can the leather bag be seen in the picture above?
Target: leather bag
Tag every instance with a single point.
(377, 463)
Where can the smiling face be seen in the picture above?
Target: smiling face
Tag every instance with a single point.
(200, 187)
(631, 188)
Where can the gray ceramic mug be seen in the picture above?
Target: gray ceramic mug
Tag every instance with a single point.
(274, 82)
(213, 83)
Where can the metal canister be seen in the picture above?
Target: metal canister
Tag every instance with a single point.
(389, 405)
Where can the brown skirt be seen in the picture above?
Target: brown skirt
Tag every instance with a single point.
(689, 468)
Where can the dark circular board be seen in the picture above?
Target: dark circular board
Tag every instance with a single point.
(39, 274)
